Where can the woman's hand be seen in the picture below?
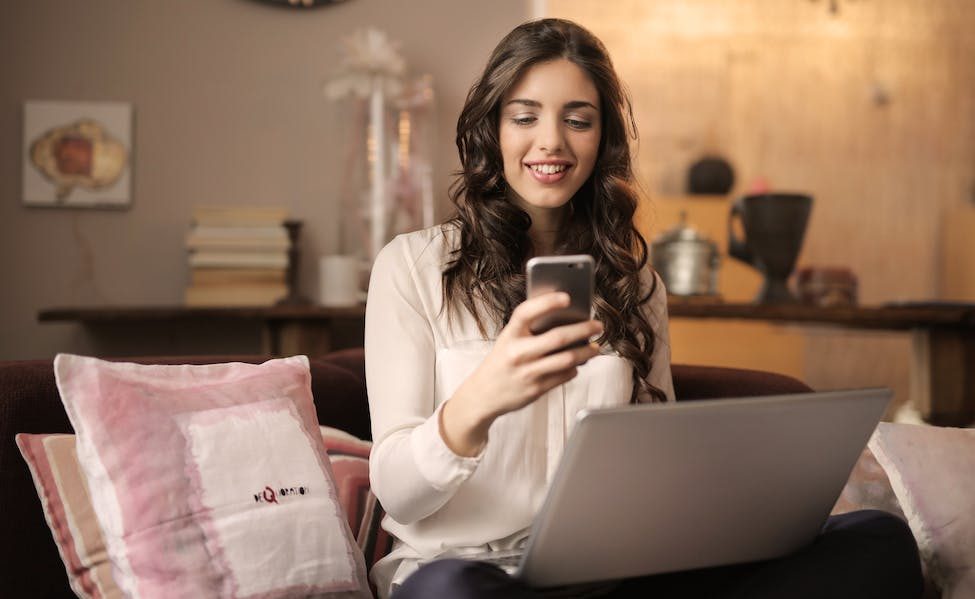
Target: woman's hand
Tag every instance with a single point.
(520, 368)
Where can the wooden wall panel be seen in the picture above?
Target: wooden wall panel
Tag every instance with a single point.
(871, 110)
(957, 275)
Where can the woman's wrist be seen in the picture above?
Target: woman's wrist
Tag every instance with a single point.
(463, 426)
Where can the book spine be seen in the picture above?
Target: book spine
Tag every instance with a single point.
(239, 259)
(239, 215)
(230, 276)
(235, 295)
(195, 242)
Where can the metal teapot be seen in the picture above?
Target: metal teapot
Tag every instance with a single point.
(686, 260)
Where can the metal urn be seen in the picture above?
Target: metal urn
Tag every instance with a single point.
(686, 260)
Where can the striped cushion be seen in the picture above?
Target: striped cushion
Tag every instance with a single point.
(63, 492)
(350, 467)
(67, 507)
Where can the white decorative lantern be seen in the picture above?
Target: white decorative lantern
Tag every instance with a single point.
(387, 168)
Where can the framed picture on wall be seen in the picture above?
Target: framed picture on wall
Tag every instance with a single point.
(77, 154)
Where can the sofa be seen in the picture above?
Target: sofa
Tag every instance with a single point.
(30, 565)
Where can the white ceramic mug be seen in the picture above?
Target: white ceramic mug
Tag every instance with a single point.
(338, 281)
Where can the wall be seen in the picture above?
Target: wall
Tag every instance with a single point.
(872, 110)
(228, 109)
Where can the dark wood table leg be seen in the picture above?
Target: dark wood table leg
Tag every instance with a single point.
(943, 376)
(271, 338)
(310, 338)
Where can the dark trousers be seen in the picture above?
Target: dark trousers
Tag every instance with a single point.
(858, 555)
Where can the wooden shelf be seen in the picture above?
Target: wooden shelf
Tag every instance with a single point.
(886, 317)
(171, 313)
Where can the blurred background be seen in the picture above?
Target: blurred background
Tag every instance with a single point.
(866, 105)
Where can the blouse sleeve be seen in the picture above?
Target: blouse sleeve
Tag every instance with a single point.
(412, 471)
(656, 313)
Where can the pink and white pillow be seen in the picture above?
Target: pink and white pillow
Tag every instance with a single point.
(210, 480)
(67, 506)
(932, 473)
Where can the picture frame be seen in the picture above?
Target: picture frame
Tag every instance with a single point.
(77, 154)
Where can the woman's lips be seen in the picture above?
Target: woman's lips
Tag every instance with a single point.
(549, 178)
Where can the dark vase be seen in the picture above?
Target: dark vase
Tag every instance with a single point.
(774, 225)
(710, 175)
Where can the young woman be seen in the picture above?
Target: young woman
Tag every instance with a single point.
(470, 411)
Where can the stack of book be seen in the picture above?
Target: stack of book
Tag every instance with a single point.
(238, 256)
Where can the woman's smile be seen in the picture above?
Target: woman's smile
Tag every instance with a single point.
(550, 171)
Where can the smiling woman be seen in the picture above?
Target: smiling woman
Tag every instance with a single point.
(543, 140)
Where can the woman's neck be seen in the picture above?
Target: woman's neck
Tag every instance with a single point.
(543, 242)
(546, 230)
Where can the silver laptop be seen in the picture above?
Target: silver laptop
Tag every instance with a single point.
(666, 487)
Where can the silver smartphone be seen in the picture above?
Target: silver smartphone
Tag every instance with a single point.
(571, 274)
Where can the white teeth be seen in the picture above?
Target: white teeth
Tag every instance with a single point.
(548, 169)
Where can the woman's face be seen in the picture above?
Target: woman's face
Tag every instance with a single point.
(549, 133)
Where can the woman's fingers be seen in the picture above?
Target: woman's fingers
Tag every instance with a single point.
(561, 361)
(523, 366)
(556, 339)
(553, 380)
(530, 309)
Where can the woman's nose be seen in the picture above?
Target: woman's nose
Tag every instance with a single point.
(550, 138)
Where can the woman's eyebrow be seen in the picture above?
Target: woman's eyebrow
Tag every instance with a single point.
(580, 104)
(537, 104)
(524, 102)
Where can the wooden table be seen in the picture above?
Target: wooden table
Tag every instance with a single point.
(943, 351)
(285, 330)
(943, 356)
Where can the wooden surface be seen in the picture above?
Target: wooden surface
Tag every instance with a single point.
(957, 274)
(942, 381)
(284, 329)
(890, 317)
(171, 313)
(943, 352)
(895, 317)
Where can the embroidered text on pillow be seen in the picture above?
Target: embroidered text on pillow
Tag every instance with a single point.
(269, 495)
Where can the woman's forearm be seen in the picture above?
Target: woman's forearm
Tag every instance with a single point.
(464, 424)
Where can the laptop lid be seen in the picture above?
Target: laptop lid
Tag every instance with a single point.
(658, 488)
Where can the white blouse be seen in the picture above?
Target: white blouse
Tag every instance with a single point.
(438, 503)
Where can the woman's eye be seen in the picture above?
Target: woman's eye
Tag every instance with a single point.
(577, 124)
(523, 120)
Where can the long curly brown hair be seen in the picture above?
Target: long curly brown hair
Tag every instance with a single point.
(487, 271)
